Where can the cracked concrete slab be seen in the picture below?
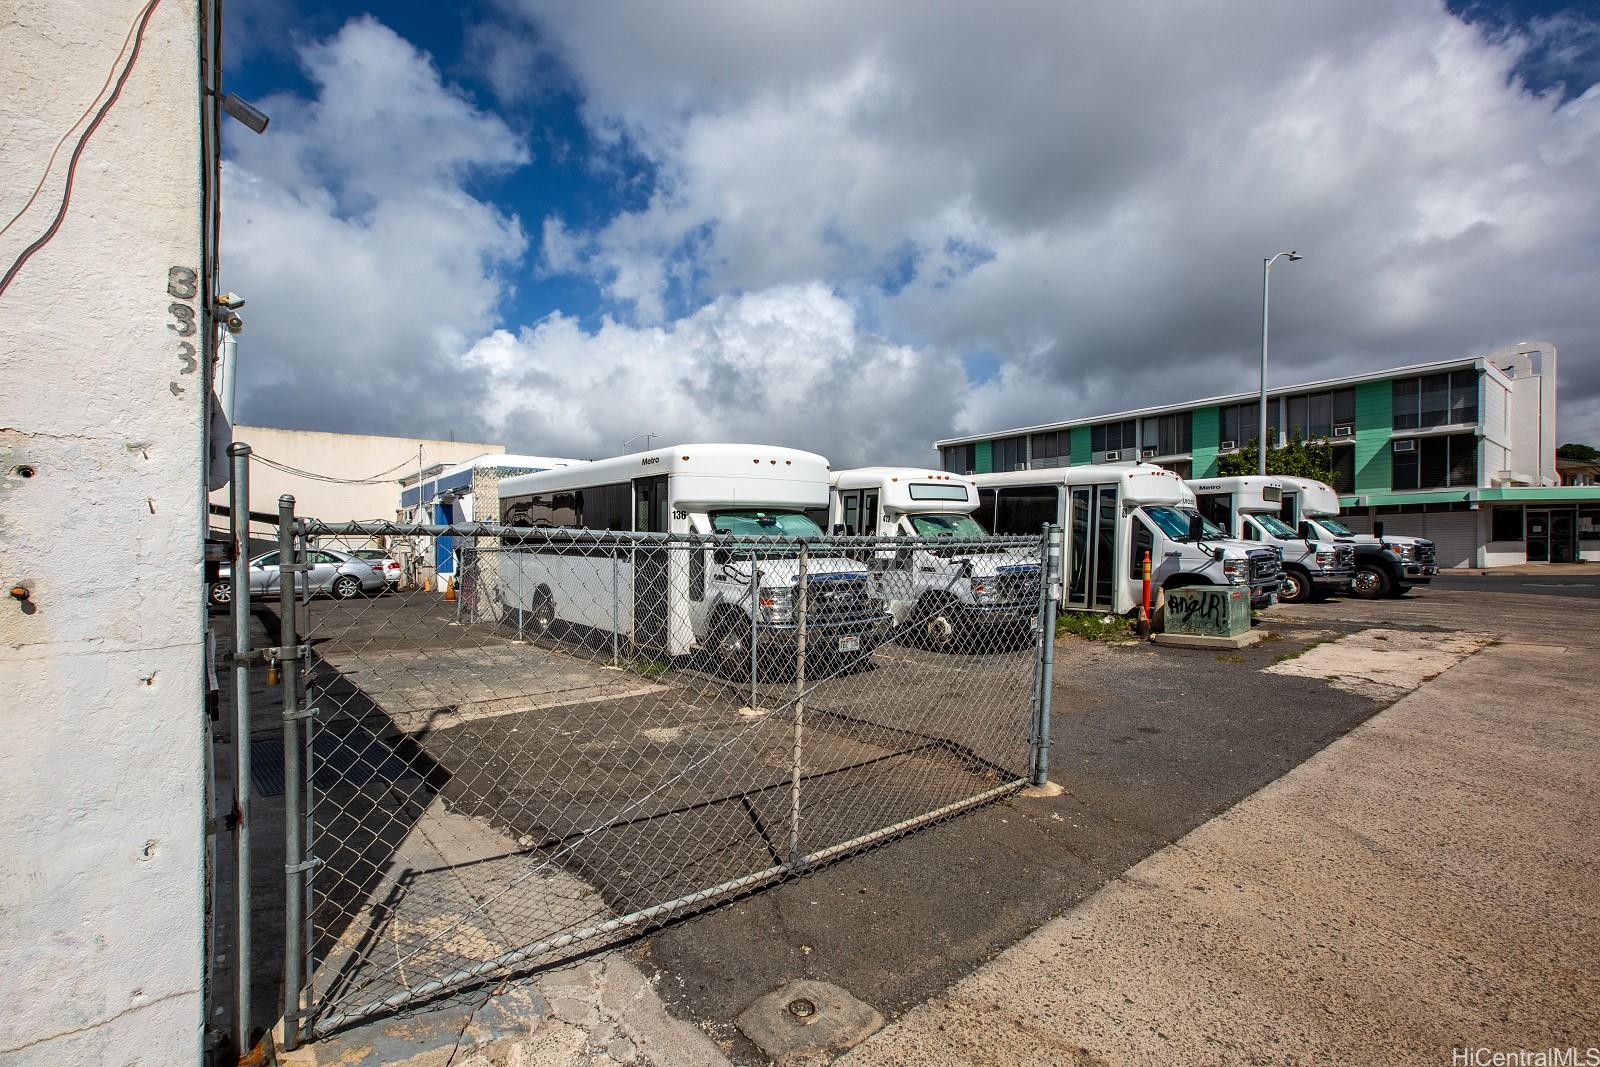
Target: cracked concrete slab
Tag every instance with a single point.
(1381, 663)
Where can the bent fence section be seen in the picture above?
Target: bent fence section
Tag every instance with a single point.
(555, 739)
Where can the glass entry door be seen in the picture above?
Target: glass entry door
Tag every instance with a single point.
(1563, 537)
(1538, 537)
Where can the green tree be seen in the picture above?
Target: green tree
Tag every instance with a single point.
(1299, 459)
(1579, 453)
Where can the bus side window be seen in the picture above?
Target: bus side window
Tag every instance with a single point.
(1252, 532)
(1142, 542)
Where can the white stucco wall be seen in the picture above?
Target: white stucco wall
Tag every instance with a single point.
(342, 455)
(102, 752)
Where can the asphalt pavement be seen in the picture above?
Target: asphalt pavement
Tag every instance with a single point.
(1556, 584)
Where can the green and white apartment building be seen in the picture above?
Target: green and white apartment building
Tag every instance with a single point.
(1461, 452)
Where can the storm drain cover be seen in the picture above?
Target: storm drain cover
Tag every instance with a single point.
(354, 759)
(808, 1016)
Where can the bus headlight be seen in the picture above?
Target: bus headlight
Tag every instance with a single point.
(983, 589)
(1326, 560)
(1237, 571)
(777, 605)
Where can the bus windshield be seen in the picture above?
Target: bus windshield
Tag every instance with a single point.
(953, 525)
(764, 523)
(1174, 522)
(1276, 527)
(1335, 527)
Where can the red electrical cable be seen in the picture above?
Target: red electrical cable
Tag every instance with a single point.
(77, 151)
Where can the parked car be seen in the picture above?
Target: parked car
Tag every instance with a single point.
(385, 564)
(339, 574)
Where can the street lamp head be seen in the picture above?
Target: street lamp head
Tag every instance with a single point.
(1294, 256)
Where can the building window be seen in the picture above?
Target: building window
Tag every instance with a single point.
(1181, 467)
(1168, 434)
(960, 459)
(1051, 449)
(1315, 415)
(1506, 524)
(1436, 400)
(1589, 524)
(1009, 454)
(1343, 475)
(1113, 436)
(1238, 424)
(1436, 462)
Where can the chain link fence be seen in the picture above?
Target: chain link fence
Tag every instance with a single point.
(588, 734)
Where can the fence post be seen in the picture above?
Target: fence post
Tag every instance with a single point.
(799, 709)
(294, 860)
(239, 583)
(755, 625)
(1049, 592)
(616, 606)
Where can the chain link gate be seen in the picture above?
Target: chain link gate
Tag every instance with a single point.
(567, 737)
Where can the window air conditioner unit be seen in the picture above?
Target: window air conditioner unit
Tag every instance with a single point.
(1405, 445)
(1149, 453)
(1228, 446)
(1343, 431)
(1112, 457)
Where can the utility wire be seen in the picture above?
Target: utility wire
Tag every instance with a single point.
(112, 73)
(381, 478)
(77, 151)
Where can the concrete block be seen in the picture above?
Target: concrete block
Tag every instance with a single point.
(807, 1017)
(1249, 637)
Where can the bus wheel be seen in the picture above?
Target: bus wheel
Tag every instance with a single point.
(937, 629)
(1371, 582)
(541, 616)
(1296, 588)
(730, 642)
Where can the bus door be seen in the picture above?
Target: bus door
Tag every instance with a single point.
(652, 600)
(860, 512)
(1092, 548)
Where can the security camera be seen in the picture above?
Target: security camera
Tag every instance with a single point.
(246, 112)
(231, 301)
(234, 323)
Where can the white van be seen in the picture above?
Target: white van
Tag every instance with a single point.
(1248, 507)
(1112, 514)
(1386, 564)
(939, 594)
(707, 596)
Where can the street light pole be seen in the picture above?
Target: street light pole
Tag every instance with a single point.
(1266, 278)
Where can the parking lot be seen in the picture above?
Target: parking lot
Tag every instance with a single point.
(1149, 743)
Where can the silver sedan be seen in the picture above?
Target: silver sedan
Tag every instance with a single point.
(338, 574)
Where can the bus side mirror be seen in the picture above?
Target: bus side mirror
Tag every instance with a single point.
(1306, 531)
(720, 556)
(838, 529)
(1377, 530)
(1197, 528)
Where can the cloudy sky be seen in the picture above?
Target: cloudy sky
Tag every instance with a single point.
(859, 227)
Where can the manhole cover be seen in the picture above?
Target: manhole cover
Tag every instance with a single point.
(801, 1008)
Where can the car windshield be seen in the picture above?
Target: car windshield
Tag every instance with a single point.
(764, 524)
(1276, 527)
(1337, 528)
(947, 526)
(1174, 522)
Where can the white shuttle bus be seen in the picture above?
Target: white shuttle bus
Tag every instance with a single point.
(1112, 514)
(939, 594)
(1386, 564)
(1248, 508)
(690, 596)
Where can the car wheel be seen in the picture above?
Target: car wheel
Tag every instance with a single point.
(221, 593)
(1296, 588)
(1370, 582)
(937, 626)
(346, 587)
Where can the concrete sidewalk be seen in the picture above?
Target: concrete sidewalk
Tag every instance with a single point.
(1426, 883)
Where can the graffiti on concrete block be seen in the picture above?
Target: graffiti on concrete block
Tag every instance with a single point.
(1208, 610)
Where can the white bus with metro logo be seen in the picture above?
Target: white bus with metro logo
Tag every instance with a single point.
(686, 596)
(1111, 515)
(939, 595)
(1249, 507)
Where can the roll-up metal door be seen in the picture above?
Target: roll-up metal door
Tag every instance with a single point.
(1455, 537)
